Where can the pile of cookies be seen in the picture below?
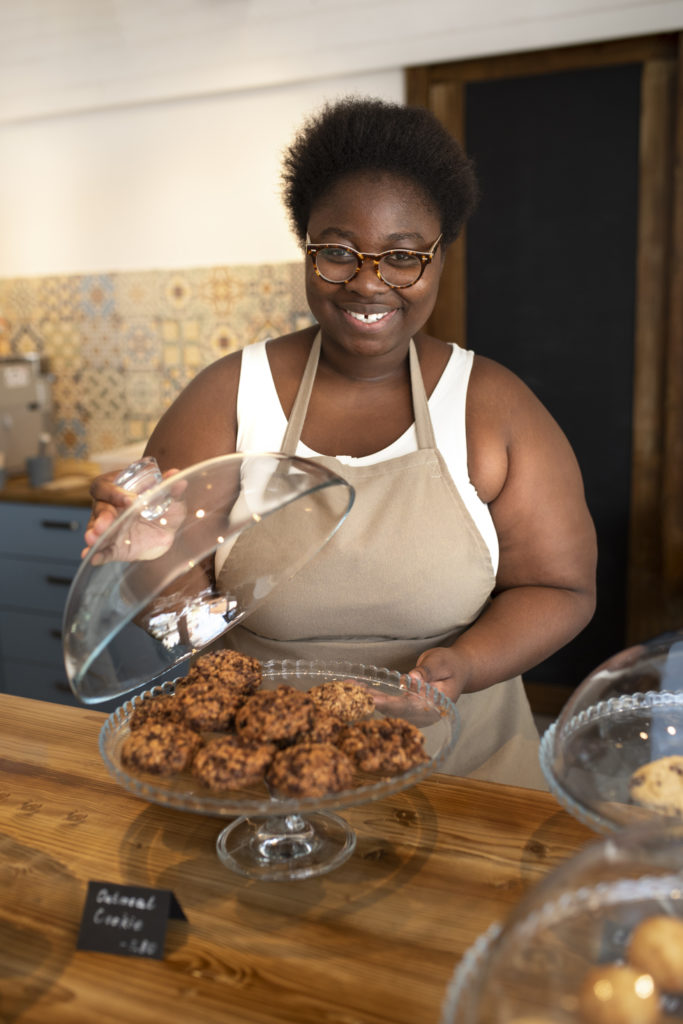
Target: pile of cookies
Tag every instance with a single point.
(220, 726)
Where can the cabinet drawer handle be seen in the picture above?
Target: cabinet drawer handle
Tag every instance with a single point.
(56, 633)
(62, 581)
(60, 524)
(62, 687)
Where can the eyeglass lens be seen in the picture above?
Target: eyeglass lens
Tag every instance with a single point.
(399, 268)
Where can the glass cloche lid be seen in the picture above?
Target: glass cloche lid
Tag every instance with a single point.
(615, 754)
(598, 940)
(188, 560)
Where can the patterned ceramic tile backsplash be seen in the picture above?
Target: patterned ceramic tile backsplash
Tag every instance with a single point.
(121, 346)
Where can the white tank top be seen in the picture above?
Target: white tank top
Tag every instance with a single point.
(261, 426)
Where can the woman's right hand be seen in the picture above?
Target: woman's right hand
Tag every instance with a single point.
(109, 500)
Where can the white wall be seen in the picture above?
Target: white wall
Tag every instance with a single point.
(177, 184)
(147, 133)
(68, 55)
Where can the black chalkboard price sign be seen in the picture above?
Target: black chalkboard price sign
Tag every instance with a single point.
(128, 920)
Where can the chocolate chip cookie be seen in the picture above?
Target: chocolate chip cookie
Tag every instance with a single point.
(344, 698)
(387, 745)
(227, 668)
(161, 707)
(325, 728)
(309, 769)
(275, 716)
(227, 763)
(161, 748)
(209, 708)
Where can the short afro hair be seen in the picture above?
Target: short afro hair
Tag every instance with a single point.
(358, 134)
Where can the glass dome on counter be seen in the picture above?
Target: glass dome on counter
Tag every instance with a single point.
(188, 560)
(599, 939)
(614, 756)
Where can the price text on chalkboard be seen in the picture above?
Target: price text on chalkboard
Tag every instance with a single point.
(129, 920)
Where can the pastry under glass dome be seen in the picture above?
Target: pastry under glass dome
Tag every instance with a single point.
(535, 965)
(624, 715)
(190, 559)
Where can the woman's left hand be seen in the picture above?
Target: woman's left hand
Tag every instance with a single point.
(442, 668)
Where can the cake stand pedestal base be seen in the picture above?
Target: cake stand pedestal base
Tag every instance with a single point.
(286, 847)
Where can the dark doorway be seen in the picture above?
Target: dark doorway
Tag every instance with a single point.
(550, 270)
(570, 274)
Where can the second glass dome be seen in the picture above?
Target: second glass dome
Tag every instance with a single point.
(192, 557)
(615, 755)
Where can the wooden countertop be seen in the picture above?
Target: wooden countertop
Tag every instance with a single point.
(70, 485)
(373, 942)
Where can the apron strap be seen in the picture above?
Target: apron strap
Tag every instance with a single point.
(423, 420)
(298, 414)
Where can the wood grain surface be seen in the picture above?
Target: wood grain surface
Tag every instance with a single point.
(373, 942)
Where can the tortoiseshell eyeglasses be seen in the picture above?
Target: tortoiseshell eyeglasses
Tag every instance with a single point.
(398, 268)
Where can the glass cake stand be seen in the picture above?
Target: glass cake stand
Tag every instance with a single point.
(291, 838)
(532, 967)
(192, 557)
(625, 714)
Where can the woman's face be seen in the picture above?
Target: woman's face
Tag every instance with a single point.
(373, 213)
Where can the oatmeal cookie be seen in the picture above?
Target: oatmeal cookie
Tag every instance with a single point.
(162, 707)
(658, 785)
(325, 728)
(227, 763)
(275, 716)
(388, 745)
(209, 708)
(227, 668)
(344, 698)
(162, 748)
(309, 769)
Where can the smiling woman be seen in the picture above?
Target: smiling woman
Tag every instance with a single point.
(362, 307)
(469, 554)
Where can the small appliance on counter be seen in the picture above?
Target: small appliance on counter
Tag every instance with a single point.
(25, 409)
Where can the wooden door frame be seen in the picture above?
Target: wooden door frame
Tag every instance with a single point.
(655, 557)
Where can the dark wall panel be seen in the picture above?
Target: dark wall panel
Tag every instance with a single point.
(550, 287)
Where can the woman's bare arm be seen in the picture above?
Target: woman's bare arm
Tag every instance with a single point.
(202, 421)
(200, 424)
(523, 466)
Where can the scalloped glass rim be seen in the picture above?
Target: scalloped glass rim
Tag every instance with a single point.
(168, 793)
(461, 993)
(570, 724)
(583, 814)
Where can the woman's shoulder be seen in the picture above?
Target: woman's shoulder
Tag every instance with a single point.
(507, 424)
(499, 392)
(489, 372)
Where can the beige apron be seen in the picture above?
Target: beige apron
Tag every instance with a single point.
(406, 571)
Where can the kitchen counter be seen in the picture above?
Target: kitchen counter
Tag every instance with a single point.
(373, 942)
(70, 485)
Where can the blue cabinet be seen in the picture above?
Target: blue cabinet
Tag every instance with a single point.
(40, 548)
